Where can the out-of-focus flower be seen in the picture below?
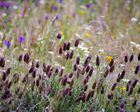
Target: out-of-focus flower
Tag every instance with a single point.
(15, 7)
(81, 12)
(133, 19)
(22, 14)
(101, 52)
(46, 17)
(89, 5)
(60, 1)
(7, 43)
(55, 8)
(109, 58)
(20, 38)
(87, 34)
(4, 15)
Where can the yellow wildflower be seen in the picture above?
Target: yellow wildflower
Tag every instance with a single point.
(81, 11)
(87, 34)
(116, 87)
(123, 88)
(109, 58)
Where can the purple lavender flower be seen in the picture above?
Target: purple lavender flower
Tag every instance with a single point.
(7, 43)
(60, 1)
(89, 5)
(22, 14)
(46, 17)
(55, 8)
(20, 38)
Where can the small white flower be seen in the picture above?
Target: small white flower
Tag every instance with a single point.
(4, 14)
(125, 80)
(133, 19)
(15, 7)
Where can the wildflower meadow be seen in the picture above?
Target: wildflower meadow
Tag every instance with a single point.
(69, 55)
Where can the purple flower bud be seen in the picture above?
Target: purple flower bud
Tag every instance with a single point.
(64, 80)
(26, 58)
(87, 68)
(75, 67)
(4, 76)
(122, 105)
(130, 91)
(110, 96)
(67, 55)
(20, 39)
(7, 43)
(77, 42)
(112, 68)
(61, 72)
(89, 5)
(94, 85)
(134, 83)
(20, 57)
(138, 109)
(139, 57)
(37, 64)
(59, 36)
(113, 87)
(78, 60)
(70, 75)
(137, 69)
(55, 8)
(2, 62)
(65, 46)
(126, 59)
(90, 94)
(8, 71)
(71, 54)
(90, 72)
(85, 87)
(134, 103)
(60, 50)
(106, 73)
(102, 90)
(111, 63)
(97, 61)
(6, 95)
(68, 45)
(34, 74)
(86, 80)
(131, 58)
(46, 17)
